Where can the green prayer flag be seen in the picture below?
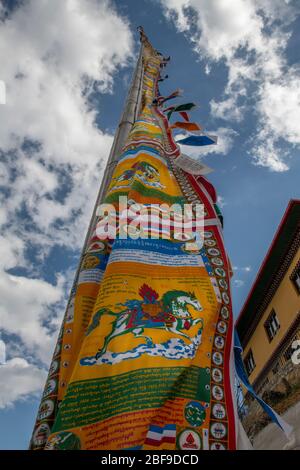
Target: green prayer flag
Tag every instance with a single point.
(181, 107)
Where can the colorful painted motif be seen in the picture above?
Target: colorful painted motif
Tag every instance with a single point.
(143, 357)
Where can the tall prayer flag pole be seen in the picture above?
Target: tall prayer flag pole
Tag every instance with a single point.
(144, 358)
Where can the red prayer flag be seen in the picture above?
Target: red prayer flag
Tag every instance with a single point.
(184, 115)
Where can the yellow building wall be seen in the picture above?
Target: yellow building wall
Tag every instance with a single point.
(286, 303)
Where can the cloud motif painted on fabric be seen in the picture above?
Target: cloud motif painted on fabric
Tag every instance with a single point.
(174, 349)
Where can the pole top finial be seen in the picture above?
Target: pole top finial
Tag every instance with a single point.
(143, 36)
(144, 40)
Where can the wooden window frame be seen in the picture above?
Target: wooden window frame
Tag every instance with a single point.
(295, 276)
(249, 356)
(268, 325)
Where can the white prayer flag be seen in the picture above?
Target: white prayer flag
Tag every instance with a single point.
(192, 166)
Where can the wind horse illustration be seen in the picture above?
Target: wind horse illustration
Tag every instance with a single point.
(170, 313)
(143, 359)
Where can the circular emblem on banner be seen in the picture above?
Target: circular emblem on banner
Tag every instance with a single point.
(53, 367)
(217, 358)
(41, 434)
(218, 430)
(217, 261)
(221, 327)
(194, 413)
(217, 392)
(209, 242)
(225, 297)
(46, 409)
(217, 446)
(213, 251)
(207, 234)
(50, 387)
(219, 342)
(220, 272)
(225, 312)
(70, 315)
(217, 375)
(218, 411)
(189, 440)
(90, 262)
(223, 284)
(63, 440)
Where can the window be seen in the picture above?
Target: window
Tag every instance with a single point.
(249, 362)
(288, 353)
(272, 325)
(295, 278)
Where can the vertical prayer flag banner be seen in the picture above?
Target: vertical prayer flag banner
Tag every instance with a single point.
(143, 358)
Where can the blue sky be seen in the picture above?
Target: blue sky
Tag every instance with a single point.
(67, 66)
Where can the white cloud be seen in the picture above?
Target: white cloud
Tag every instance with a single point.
(227, 109)
(11, 251)
(2, 352)
(221, 202)
(238, 283)
(28, 310)
(207, 69)
(54, 55)
(246, 269)
(240, 271)
(279, 106)
(19, 379)
(250, 37)
(2, 92)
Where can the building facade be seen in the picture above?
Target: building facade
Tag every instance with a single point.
(269, 322)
